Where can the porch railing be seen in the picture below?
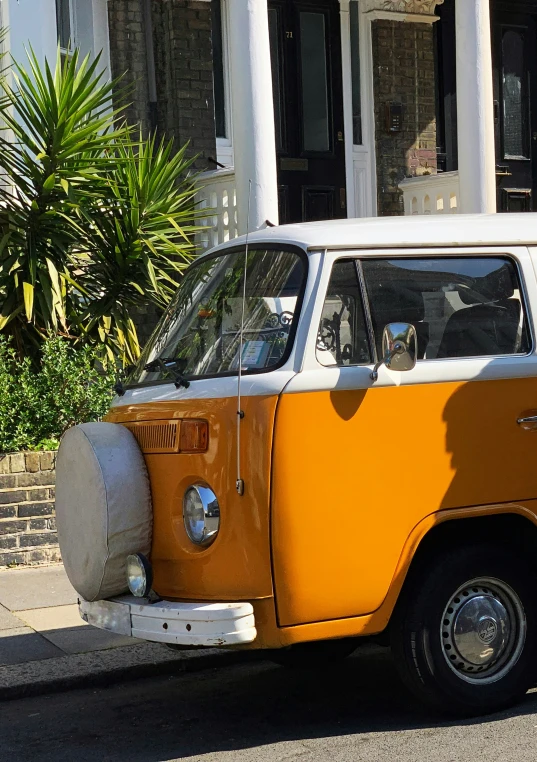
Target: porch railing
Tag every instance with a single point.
(431, 194)
(428, 194)
(218, 195)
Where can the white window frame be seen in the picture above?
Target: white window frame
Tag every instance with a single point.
(224, 146)
(90, 33)
(360, 160)
(72, 28)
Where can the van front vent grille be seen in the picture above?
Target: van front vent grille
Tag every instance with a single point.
(156, 436)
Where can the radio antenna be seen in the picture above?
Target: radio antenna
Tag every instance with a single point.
(240, 412)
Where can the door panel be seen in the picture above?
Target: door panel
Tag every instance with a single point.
(308, 96)
(355, 471)
(314, 83)
(515, 95)
(318, 203)
(514, 37)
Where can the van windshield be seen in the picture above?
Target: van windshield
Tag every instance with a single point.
(199, 334)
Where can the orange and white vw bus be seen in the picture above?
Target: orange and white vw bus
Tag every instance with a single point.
(331, 435)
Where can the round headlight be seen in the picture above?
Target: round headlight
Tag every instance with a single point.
(201, 514)
(139, 575)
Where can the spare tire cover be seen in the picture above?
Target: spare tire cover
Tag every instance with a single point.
(103, 507)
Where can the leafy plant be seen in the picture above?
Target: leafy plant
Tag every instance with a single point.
(136, 248)
(61, 125)
(92, 222)
(38, 405)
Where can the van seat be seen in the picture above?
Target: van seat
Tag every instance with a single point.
(482, 330)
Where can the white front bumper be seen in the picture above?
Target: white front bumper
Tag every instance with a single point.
(185, 624)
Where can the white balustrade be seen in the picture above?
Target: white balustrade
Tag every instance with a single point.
(432, 194)
(217, 193)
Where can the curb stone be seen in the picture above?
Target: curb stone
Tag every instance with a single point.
(102, 668)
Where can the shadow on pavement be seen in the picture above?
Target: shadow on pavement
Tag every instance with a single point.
(228, 711)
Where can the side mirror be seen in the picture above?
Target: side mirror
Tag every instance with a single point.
(399, 348)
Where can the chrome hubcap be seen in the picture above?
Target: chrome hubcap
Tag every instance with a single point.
(483, 630)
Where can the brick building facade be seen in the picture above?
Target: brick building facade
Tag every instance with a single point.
(404, 73)
(175, 57)
(362, 95)
(163, 53)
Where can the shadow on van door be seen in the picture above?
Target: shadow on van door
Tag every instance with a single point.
(493, 459)
(347, 404)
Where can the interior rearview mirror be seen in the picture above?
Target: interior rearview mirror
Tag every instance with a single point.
(399, 348)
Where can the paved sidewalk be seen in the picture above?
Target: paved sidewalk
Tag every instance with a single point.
(39, 618)
(45, 646)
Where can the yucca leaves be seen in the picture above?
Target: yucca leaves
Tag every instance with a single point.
(57, 120)
(93, 223)
(132, 249)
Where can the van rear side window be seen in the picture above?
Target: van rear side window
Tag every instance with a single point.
(461, 307)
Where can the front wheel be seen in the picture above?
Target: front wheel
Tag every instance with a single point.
(464, 632)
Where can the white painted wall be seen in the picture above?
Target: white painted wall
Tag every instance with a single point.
(30, 21)
(33, 22)
(101, 32)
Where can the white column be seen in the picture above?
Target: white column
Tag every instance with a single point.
(475, 107)
(252, 113)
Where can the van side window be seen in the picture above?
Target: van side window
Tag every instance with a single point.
(342, 338)
(461, 307)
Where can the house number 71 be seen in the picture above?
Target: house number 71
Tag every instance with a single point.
(289, 35)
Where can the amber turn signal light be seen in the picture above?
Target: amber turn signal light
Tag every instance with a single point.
(194, 436)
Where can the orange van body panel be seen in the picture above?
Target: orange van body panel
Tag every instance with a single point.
(372, 624)
(237, 566)
(358, 479)
(354, 472)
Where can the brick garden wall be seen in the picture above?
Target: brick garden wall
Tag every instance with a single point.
(404, 72)
(27, 520)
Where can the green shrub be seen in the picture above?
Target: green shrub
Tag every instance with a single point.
(38, 405)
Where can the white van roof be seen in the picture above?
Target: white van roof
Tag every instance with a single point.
(434, 231)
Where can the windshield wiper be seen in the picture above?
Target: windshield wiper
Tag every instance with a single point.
(119, 387)
(169, 365)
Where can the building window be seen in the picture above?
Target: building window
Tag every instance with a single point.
(64, 24)
(355, 71)
(218, 71)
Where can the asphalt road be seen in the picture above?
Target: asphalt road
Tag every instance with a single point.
(256, 712)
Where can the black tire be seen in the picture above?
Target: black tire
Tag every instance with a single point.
(318, 653)
(492, 623)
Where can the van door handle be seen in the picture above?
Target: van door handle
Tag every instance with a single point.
(528, 423)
